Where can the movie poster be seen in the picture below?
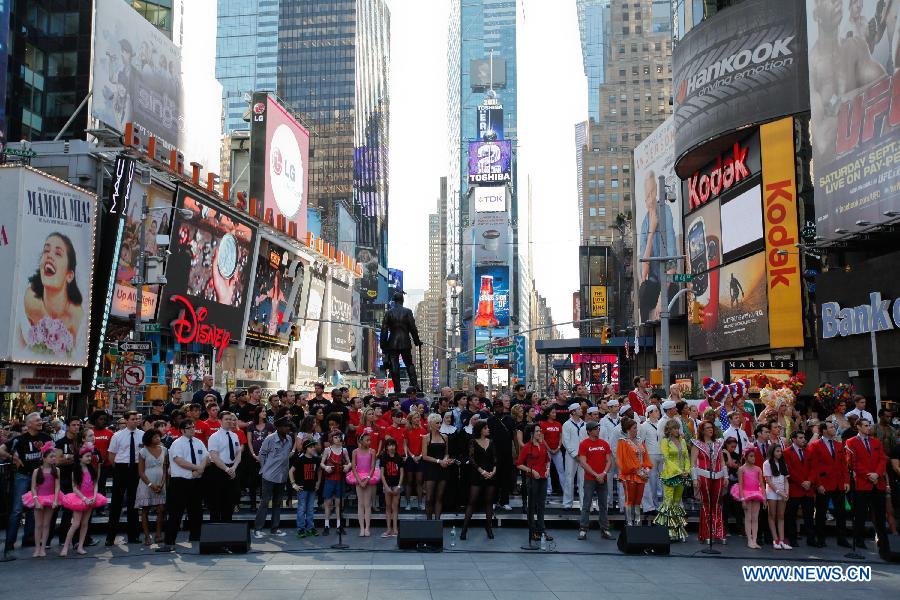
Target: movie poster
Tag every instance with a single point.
(53, 245)
(854, 50)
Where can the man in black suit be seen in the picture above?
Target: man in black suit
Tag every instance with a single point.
(396, 328)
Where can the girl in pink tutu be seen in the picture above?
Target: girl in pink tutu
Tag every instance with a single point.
(83, 499)
(44, 497)
(748, 490)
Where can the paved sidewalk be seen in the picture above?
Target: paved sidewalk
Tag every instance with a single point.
(291, 569)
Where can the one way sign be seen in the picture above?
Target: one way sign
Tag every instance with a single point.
(143, 347)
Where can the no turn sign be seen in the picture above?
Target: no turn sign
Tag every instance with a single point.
(134, 375)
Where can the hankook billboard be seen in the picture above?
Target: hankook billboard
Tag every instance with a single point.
(745, 65)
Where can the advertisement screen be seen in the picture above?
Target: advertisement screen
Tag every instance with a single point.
(309, 332)
(279, 164)
(270, 318)
(4, 59)
(492, 238)
(490, 162)
(745, 65)
(395, 281)
(488, 73)
(340, 309)
(489, 198)
(853, 52)
(158, 222)
(49, 258)
(735, 316)
(136, 75)
(655, 157)
(492, 301)
(742, 223)
(703, 249)
(208, 273)
(483, 336)
(346, 231)
(490, 122)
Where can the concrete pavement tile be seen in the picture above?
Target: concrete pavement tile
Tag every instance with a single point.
(139, 587)
(279, 581)
(418, 584)
(519, 595)
(383, 594)
(338, 585)
(459, 584)
(460, 595)
(222, 584)
(510, 585)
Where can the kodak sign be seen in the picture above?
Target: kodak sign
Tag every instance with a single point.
(782, 232)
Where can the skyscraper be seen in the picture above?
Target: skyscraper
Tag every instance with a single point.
(246, 55)
(591, 14)
(333, 71)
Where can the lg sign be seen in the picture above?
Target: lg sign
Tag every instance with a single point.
(286, 171)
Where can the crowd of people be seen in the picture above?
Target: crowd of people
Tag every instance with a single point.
(643, 455)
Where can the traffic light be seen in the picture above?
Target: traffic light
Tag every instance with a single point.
(604, 334)
(696, 313)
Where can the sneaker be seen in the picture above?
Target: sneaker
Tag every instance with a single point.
(312, 532)
(408, 506)
(785, 546)
(326, 531)
(506, 507)
(301, 533)
(777, 545)
(582, 535)
(258, 534)
(278, 533)
(606, 535)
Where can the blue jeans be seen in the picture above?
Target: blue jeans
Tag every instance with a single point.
(21, 484)
(306, 507)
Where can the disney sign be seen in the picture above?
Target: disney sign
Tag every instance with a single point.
(190, 327)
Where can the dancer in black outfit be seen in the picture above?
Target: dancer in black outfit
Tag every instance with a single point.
(483, 459)
(436, 456)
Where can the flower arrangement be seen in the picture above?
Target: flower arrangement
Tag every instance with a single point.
(774, 397)
(49, 336)
(796, 383)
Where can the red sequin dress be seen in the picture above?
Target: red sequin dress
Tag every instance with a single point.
(711, 476)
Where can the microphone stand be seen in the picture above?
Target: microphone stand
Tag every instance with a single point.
(853, 554)
(709, 531)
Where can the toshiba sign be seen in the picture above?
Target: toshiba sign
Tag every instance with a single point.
(737, 164)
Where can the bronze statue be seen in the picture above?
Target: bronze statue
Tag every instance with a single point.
(396, 328)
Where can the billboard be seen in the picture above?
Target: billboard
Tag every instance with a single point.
(395, 281)
(309, 332)
(703, 250)
(270, 312)
(490, 162)
(745, 65)
(853, 52)
(47, 250)
(492, 301)
(742, 220)
(4, 60)
(655, 157)
(279, 165)
(336, 340)
(489, 199)
(136, 74)
(599, 306)
(736, 313)
(782, 233)
(157, 222)
(346, 231)
(492, 239)
(487, 73)
(208, 273)
(483, 336)
(490, 122)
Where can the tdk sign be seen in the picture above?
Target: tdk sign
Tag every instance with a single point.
(876, 316)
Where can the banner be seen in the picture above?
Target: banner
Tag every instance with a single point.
(744, 65)
(309, 332)
(853, 53)
(493, 282)
(490, 122)
(655, 157)
(735, 316)
(136, 74)
(279, 165)
(270, 313)
(490, 162)
(492, 243)
(340, 305)
(208, 273)
(780, 218)
(489, 198)
(598, 301)
(46, 250)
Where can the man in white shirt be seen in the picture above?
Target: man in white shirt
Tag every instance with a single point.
(648, 432)
(670, 411)
(124, 449)
(611, 431)
(573, 432)
(188, 458)
(225, 456)
(860, 410)
(736, 431)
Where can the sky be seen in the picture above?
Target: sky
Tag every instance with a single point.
(552, 98)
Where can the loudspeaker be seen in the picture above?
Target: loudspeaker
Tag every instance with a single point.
(652, 539)
(892, 548)
(220, 538)
(419, 534)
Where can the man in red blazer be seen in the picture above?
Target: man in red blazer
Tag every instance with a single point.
(869, 465)
(828, 466)
(800, 490)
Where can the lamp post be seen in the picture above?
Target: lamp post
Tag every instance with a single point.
(454, 287)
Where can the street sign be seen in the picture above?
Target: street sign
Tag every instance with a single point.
(682, 277)
(134, 375)
(145, 347)
(520, 357)
(148, 327)
(504, 349)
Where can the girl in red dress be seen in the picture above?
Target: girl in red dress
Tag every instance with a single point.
(710, 477)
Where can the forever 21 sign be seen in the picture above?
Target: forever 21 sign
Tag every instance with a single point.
(737, 163)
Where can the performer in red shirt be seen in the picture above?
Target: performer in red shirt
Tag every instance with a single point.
(800, 491)
(396, 430)
(212, 423)
(552, 430)
(413, 470)
(595, 457)
(868, 462)
(831, 482)
(639, 397)
(534, 461)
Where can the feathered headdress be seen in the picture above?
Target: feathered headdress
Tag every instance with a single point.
(714, 389)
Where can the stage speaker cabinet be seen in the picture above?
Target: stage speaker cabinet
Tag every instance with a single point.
(892, 551)
(652, 539)
(225, 538)
(420, 535)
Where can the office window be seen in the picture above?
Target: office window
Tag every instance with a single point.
(614, 183)
(62, 64)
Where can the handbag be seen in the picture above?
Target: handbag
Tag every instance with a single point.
(376, 476)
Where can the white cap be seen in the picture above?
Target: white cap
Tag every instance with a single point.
(624, 409)
(574, 406)
(593, 409)
(668, 405)
(612, 403)
(652, 408)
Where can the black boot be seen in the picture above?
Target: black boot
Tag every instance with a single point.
(462, 534)
(490, 533)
